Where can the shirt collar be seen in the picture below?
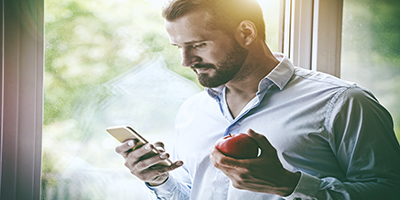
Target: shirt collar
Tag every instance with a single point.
(279, 76)
(282, 73)
(213, 92)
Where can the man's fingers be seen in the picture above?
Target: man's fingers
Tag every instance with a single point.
(173, 166)
(159, 146)
(254, 135)
(125, 147)
(221, 161)
(145, 161)
(262, 141)
(158, 170)
(140, 152)
(152, 161)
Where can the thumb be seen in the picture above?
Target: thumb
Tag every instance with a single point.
(262, 141)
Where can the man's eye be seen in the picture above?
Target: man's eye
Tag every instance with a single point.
(196, 46)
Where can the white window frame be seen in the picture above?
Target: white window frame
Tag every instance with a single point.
(312, 34)
(311, 37)
(21, 98)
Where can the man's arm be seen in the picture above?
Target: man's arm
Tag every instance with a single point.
(363, 140)
(365, 145)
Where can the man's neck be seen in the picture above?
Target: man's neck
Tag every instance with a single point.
(240, 91)
(257, 66)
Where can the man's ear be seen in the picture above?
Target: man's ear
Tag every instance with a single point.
(246, 33)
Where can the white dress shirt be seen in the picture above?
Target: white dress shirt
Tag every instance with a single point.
(334, 133)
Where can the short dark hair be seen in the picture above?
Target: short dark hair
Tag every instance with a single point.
(226, 14)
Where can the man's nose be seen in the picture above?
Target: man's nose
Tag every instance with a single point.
(189, 58)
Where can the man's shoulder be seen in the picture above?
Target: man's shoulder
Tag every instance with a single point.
(333, 88)
(320, 78)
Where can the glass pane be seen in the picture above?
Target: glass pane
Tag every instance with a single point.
(104, 62)
(371, 50)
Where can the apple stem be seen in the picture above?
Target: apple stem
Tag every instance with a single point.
(229, 134)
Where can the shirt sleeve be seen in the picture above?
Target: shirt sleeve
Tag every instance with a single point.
(366, 147)
(172, 189)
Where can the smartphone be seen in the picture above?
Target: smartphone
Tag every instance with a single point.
(124, 133)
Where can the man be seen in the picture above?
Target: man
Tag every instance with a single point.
(320, 137)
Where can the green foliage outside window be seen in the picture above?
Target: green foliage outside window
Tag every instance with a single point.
(87, 44)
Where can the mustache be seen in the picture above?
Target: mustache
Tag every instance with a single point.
(203, 65)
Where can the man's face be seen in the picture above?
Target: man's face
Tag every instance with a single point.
(213, 55)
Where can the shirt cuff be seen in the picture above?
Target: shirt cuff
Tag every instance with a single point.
(165, 188)
(306, 188)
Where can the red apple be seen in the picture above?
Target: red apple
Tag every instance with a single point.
(240, 146)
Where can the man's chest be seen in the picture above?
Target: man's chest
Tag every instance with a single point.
(297, 135)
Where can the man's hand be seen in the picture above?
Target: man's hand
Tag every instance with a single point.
(146, 169)
(263, 174)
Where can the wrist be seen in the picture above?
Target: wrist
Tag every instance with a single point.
(288, 184)
(158, 181)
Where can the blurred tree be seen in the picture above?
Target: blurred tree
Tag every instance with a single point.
(385, 28)
(376, 20)
(86, 46)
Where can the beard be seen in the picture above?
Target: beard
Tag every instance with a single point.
(225, 70)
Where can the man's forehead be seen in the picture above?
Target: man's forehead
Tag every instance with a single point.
(190, 28)
(193, 18)
(192, 36)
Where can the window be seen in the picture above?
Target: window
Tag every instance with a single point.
(371, 50)
(109, 63)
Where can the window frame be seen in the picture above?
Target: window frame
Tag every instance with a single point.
(21, 98)
(310, 36)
